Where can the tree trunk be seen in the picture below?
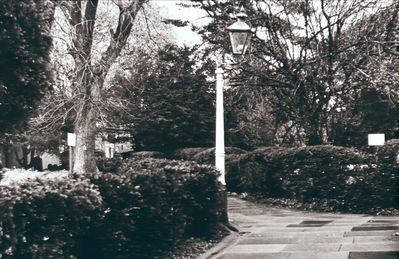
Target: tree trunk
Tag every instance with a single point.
(85, 129)
(317, 130)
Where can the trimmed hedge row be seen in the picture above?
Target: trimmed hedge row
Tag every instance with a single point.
(113, 165)
(141, 210)
(206, 155)
(333, 178)
(187, 153)
(109, 165)
(154, 203)
(49, 219)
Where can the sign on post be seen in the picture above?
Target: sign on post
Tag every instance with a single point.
(376, 139)
(71, 139)
(71, 143)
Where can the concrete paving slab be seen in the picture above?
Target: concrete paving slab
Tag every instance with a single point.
(316, 222)
(254, 256)
(287, 255)
(265, 240)
(365, 239)
(321, 234)
(268, 225)
(296, 240)
(282, 229)
(344, 224)
(374, 228)
(273, 235)
(379, 225)
(359, 247)
(374, 255)
(318, 255)
(369, 233)
(314, 247)
(300, 225)
(264, 248)
(383, 221)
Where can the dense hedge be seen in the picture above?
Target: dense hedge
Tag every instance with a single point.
(109, 165)
(331, 177)
(388, 154)
(112, 165)
(141, 210)
(206, 155)
(153, 203)
(49, 219)
(187, 153)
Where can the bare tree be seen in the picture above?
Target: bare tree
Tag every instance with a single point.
(310, 53)
(89, 55)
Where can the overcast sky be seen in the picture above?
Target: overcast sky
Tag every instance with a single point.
(171, 10)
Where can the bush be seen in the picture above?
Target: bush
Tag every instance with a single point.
(345, 178)
(206, 155)
(388, 153)
(146, 154)
(187, 153)
(113, 165)
(109, 165)
(144, 210)
(49, 219)
(154, 203)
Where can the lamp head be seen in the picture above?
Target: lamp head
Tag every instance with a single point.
(240, 35)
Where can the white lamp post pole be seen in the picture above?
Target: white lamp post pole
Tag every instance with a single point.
(219, 149)
(240, 37)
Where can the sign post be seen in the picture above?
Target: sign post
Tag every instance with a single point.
(71, 143)
(376, 139)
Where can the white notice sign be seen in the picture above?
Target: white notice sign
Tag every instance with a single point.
(376, 139)
(71, 139)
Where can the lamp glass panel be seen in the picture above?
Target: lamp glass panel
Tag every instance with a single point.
(239, 41)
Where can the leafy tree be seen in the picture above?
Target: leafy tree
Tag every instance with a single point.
(314, 56)
(171, 101)
(24, 58)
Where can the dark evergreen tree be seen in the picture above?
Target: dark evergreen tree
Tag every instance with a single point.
(24, 54)
(171, 101)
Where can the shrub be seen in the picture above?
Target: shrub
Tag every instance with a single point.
(206, 155)
(109, 165)
(113, 165)
(146, 154)
(144, 210)
(153, 203)
(348, 179)
(388, 153)
(49, 219)
(187, 153)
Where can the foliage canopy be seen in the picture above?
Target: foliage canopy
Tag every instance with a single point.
(24, 57)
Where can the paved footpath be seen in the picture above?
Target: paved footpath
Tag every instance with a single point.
(266, 232)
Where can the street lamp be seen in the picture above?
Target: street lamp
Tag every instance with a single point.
(240, 37)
